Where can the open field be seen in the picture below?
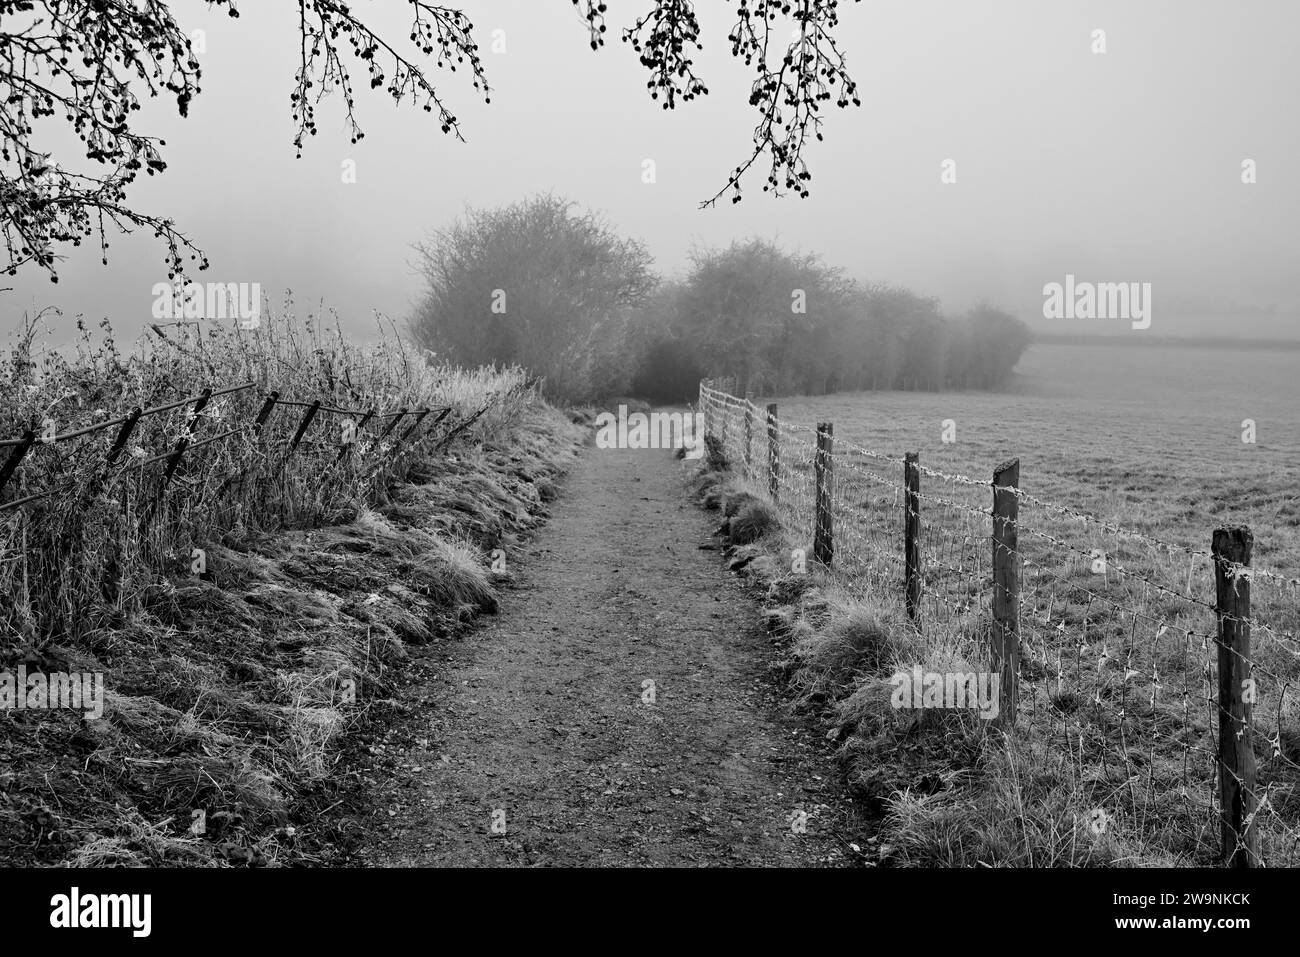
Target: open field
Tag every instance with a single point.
(1150, 439)
(1128, 462)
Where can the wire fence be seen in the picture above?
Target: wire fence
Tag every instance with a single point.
(348, 440)
(91, 514)
(1163, 676)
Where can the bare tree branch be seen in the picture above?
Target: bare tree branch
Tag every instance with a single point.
(88, 62)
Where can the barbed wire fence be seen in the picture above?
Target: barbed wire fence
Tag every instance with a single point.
(1163, 677)
(106, 497)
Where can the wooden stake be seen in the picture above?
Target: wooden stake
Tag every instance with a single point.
(823, 476)
(1237, 801)
(1006, 588)
(912, 532)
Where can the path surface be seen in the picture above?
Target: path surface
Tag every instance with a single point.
(535, 721)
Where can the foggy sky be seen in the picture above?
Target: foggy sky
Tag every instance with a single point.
(1124, 166)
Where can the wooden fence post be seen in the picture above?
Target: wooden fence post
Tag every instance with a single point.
(823, 476)
(415, 425)
(1006, 588)
(392, 423)
(199, 405)
(706, 406)
(124, 433)
(1237, 801)
(349, 447)
(457, 429)
(265, 412)
(723, 437)
(437, 420)
(912, 532)
(773, 455)
(366, 418)
(302, 427)
(15, 457)
(749, 433)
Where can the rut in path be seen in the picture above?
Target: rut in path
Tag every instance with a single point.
(538, 713)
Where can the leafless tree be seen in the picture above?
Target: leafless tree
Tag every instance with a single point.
(90, 63)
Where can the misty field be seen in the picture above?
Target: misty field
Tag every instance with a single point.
(1147, 437)
(1129, 459)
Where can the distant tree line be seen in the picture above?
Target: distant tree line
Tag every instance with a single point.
(544, 285)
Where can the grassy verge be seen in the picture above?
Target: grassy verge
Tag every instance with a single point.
(231, 690)
(948, 789)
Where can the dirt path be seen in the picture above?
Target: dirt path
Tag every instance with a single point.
(534, 724)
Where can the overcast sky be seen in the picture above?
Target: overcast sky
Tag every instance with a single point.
(1122, 166)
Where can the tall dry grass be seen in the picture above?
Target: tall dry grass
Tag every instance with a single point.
(233, 694)
(81, 558)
